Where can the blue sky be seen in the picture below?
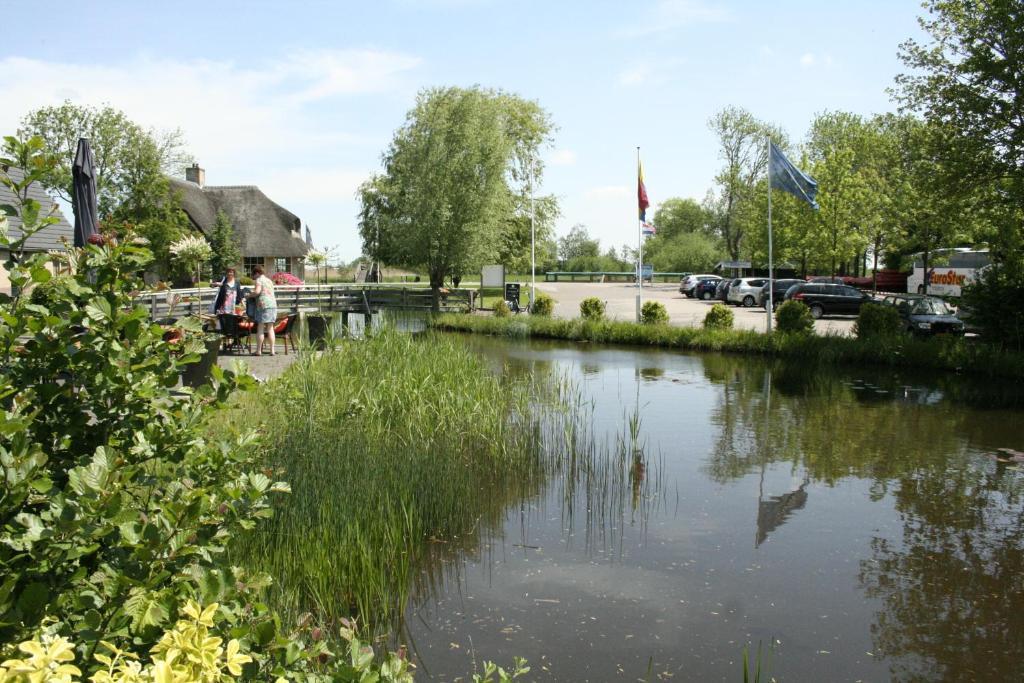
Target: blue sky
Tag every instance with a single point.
(301, 98)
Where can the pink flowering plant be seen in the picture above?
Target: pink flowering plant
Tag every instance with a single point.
(282, 278)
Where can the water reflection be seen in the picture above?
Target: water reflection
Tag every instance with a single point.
(857, 517)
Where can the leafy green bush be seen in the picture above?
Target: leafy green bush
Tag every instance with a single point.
(877, 321)
(653, 313)
(543, 305)
(592, 308)
(116, 510)
(793, 317)
(501, 310)
(720, 317)
(993, 306)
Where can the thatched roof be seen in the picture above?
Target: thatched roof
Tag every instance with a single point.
(262, 227)
(50, 236)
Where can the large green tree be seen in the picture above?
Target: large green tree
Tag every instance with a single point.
(226, 252)
(676, 215)
(744, 151)
(577, 244)
(131, 161)
(455, 178)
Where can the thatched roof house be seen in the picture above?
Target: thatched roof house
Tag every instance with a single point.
(50, 237)
(267, 233)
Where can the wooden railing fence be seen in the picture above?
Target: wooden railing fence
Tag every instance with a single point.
(311, 298)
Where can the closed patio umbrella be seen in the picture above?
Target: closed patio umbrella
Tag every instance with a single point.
(83, 174)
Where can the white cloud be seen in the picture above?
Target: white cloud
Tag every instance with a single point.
(639, 74)
(807, 60)
(670, 15)
(563, 157)
(279, 123)
(607, 192)
(226, 111)
(309, 183)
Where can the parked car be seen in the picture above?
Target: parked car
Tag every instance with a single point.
(925, 316)
(779, 288)
(831, 279)
(744, 290)
(705, 289)
(722, 292)
(828, 299)
(689, 283)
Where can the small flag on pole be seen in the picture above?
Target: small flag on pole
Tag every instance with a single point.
(783, 175)
(641, 193)
(648, 229)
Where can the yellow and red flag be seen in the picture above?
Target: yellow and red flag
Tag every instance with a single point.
(641, 193)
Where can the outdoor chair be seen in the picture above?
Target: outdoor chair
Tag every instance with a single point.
(284, 330)
(235, 329)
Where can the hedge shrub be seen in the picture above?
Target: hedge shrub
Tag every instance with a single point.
(876, 321)
(592, 308)
(543, 305)
(794, 317)
(720, 317)
(653, 313)
(501, 310)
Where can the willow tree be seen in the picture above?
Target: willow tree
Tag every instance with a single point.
(454, 179)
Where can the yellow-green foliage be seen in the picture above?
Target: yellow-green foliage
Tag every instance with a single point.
(720, 317)
(794, 317)
(543, 305)
(190, 651)
(592, 308)
(501, 310)
(653, 313)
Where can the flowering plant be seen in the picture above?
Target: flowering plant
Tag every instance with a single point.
(282, 278)
(192, 250)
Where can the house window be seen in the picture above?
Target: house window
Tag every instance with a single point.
(282, 265)
(250, 262)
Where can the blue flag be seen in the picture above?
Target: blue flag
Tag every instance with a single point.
(782, 175)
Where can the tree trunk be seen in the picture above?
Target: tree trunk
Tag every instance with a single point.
(874, 269)
(436, 283)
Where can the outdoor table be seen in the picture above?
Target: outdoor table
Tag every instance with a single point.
(233, 327)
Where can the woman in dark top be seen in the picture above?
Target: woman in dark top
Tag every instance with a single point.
(229, 295)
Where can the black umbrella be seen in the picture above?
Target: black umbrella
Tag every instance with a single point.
(83, 175)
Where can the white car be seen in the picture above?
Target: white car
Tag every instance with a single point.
(687, 284)
(745, 290)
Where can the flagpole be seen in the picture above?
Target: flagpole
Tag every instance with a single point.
(640, 250)
(533, 243)
(771, 284)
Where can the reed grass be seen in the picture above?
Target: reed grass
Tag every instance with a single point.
(395, 449)
(403, 453)
(949, 354)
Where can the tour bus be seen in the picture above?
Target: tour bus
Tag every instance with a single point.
(949, 270)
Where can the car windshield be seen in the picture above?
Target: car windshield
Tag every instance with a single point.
(931, 307)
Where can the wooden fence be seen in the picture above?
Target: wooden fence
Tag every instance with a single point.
(335, 298)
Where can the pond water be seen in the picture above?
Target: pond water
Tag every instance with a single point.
(856, 524)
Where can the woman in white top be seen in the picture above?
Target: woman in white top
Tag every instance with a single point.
(266, 309)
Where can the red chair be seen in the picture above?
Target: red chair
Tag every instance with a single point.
(283, 330)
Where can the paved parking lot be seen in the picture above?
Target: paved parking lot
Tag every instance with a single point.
(620, 301)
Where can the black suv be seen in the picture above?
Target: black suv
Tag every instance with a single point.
(925, 316)
(827, 299)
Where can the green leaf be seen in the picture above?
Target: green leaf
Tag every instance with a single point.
(33, 600)
(41, 274)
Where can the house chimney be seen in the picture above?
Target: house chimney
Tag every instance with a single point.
(196, 175)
